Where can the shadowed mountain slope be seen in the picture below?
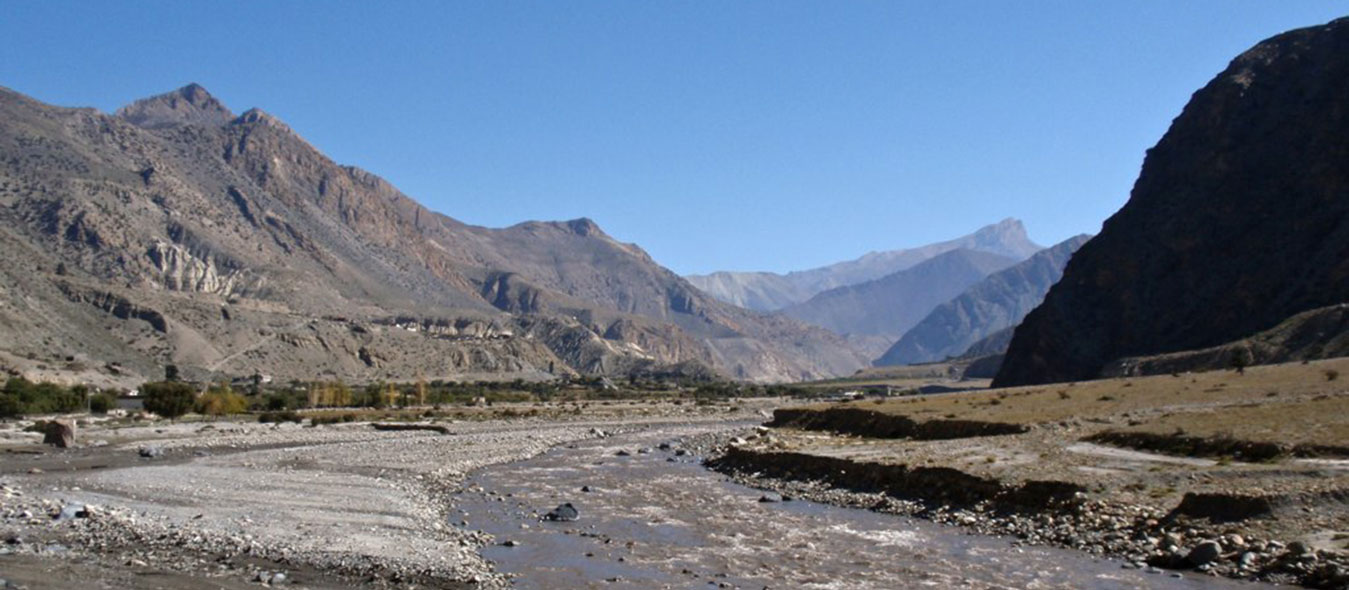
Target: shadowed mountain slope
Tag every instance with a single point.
(1238, 220)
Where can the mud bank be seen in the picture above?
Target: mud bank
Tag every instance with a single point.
(942, 485)
(1215, 446)
(863, 422)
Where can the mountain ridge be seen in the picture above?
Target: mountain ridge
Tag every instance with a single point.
(253, 251)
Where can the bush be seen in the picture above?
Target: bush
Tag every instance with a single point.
(221, 400)
(10, 407)
(102, 402)
(280, 416)
(168, 399)
(21, 396)
(333, 419)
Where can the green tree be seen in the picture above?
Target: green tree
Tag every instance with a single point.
(169, 399)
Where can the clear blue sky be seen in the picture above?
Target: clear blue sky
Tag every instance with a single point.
(770, 135)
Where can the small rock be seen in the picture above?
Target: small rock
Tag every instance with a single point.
(151, 452)
(586, 489)
(622, 453)
(1204, 553)
(278, 578)
(70, 511)
(510, 543)
(770, 498)
(563, 513)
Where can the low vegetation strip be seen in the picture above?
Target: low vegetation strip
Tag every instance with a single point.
(1215, 446)
(939, 485)
(410, 426)
(873, 424)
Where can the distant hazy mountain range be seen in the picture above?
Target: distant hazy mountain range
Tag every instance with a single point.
(996, 303)
(176, 232)
(889, 306)
(766, 291)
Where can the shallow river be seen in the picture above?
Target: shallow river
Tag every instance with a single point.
(649, 522)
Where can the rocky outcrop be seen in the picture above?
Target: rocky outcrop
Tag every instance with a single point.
(1238, 220)
(998, 302)
(766, 291)
(180, 270)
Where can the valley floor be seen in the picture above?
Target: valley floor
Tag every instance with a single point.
(227, 504)
(1223, 473)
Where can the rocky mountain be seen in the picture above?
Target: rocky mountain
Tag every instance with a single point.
(998, 302)
(175, 232)
(1239, 219)
(766, 291)
(889, 306)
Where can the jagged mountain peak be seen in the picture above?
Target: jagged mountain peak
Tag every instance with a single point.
(189, 105)
(1007, 237)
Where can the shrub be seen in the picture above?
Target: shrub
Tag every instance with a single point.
(221, 400)
(168, 399)
(100, 403)
(10, 406)
(1332, 374)
(333, 419)
(280, 416)
(25, 397)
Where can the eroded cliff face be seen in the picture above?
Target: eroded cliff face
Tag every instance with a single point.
(249, 250)
(1237, 221)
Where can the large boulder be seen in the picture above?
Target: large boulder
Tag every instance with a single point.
(59, 433)
(1238, 220)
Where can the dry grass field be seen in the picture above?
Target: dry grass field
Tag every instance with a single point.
(1291, 403)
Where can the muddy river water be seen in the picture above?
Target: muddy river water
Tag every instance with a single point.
(658, 520)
